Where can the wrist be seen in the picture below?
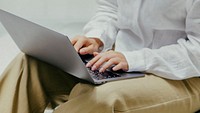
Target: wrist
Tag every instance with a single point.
(98, 42)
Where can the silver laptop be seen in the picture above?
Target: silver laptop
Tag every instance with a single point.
(56, 49)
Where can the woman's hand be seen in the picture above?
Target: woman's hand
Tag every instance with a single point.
(84, 45)
(108, 59)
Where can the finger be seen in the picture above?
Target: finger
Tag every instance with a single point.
(117, 67)
(79, 44)
(95, 59)
(108, 64)
(86, 50)
(101, 61)
(74, 40)
(120, 66)
(95, 53)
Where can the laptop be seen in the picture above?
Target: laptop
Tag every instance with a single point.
(56, 49)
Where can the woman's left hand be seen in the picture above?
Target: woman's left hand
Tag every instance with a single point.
(108, 59)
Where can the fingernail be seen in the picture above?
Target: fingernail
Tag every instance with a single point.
(82, 51)
(114, 69)
(95, 53)
(101, 70)
(88, 65)
(94, 68)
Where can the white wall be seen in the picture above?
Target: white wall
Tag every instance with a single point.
(58, 15)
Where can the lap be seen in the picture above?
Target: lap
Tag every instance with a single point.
(41, 79)
(149, 93)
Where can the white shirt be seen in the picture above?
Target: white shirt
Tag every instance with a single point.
(156, 36)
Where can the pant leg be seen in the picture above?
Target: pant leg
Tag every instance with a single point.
(28, 85)
(149, 94)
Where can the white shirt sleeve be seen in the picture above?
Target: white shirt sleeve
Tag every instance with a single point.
(178, 61)
(103, 24)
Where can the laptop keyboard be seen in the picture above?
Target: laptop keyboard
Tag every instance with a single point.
(103, 75)
(96, 74)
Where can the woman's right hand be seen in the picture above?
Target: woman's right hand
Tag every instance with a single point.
(84, 45)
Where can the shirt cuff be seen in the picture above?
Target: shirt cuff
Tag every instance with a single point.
(136, 60)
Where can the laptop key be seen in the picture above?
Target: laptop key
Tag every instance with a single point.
(102, 75)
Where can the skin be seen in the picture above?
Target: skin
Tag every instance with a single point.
(101, 61)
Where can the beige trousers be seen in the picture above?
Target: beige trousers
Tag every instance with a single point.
(29, 85)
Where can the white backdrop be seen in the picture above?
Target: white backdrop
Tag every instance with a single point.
(64, 16)
(55, 14)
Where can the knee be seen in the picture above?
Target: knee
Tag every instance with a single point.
(24, 59)
(21, 57)
(19, 63)
(108, 98)
(117, 96)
